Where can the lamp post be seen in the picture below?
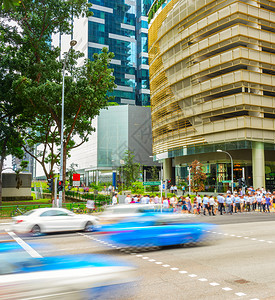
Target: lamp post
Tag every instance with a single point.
(72, 44)
(232, 185)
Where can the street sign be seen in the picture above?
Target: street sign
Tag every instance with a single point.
(151, 183)
(226, 181)
(76, 179)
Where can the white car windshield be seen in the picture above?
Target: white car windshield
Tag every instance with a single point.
(29, 212)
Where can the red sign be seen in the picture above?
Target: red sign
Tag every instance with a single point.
(76, 177)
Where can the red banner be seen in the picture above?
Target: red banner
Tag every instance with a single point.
(76, 177)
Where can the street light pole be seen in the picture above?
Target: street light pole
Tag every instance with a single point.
(72, 44)
(232, 181)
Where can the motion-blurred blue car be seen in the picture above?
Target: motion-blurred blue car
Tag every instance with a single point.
(25, 277)
(156, 230)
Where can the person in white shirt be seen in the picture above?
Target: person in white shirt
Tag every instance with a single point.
(173, 200)
(128, 199)
(165, 203)
(199, 202)
(211, 204)
(114, 200)
(157, 199)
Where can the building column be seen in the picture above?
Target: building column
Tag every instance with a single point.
(86, 178)
(258, 165)
(96, 177)
(167, 168)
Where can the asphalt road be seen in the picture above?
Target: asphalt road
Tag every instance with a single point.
(239, 264)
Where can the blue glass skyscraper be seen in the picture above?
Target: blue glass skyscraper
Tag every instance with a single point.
(121, 26)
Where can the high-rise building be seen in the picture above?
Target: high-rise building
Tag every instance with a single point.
(212, 80)
(122, 27)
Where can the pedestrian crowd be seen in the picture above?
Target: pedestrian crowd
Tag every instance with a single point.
(224, 203)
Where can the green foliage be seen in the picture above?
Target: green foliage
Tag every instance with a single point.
(9, 4)
(32, 65)
(70, 172)
(198, 177)
(113, 104)
(154, 172)
(137, 187)
(130, 171)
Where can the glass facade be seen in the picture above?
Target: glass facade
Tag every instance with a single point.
(121, 25)
(113, 132)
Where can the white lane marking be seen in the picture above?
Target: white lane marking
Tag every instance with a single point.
(174, 269)
(166, 266)
(183, 272)
(24, 245)
(239, 236)
(246, 237)
(158, 262)
(50, 295)
(214, 232)
(255, 299)
(139, 255)
(151, 260)
(232, 234)
(203, 279)
(261, 240)
(145, 257)
(227, 289)
(240, 294)
(192, 275)
(214, 283)
(225, 233)
(270, 242)
(253, 239)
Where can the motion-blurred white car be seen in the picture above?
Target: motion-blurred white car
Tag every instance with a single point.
(118, 212)
(44, 220)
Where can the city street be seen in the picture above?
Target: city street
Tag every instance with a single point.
(238, 265)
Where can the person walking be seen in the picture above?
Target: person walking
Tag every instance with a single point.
(205, 202)
(183, 190)
(211, 205)
(267, 202)
(114, 199)
(199, 202)
(259, 199)
(229, 203)
(220, 200)
(237, 202)
(128, 199)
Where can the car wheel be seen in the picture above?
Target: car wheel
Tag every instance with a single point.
(191, 242)
(36, 231)
(88, 226)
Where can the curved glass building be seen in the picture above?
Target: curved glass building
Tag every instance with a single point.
(212, 81)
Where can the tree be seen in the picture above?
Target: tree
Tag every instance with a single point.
(198, 177)
(10, 138)
(71, 171)
(154, 174)
(130, 169)
(30, 54)
(9, 4)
